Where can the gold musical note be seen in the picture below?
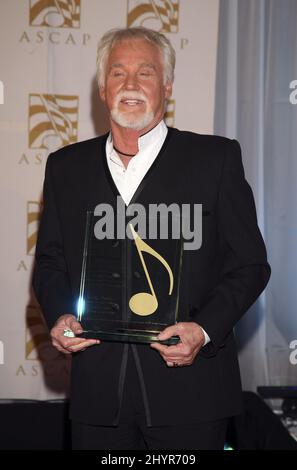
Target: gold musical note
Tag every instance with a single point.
(144, 303)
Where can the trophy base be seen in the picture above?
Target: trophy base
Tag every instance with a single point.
(131, 336)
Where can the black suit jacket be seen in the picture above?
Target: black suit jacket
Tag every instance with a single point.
(219, 283)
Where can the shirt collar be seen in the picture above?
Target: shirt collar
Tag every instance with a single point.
(155, 134)
(144, 141)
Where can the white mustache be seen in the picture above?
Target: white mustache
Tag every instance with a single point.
(129, 95)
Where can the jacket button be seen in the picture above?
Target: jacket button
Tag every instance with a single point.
(137, 275)
(115, 275)
(115, 243)
(115, 307)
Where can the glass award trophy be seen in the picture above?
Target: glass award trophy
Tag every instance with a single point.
(129, 287)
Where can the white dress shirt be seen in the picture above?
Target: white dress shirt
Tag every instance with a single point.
(128, 179)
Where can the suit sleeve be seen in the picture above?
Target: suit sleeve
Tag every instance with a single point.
(245, 270)
(50, 278)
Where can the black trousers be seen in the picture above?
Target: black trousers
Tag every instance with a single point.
(134, 434)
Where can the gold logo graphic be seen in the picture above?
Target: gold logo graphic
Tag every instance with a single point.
(170, 112)
(145, 303)
(55, 13)
(37, 337)
(52, 120)
(161, 15)
(33, 215)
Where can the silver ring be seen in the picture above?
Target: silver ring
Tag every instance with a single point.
(68, 333)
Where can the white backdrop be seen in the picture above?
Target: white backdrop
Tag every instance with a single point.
(47, 66)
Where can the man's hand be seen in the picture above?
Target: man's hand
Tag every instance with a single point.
(69, 345)
(183, 353)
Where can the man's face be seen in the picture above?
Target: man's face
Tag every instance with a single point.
(134, 90)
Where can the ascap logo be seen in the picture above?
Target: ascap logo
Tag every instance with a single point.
(55, 22)
(42, 359)
(37, 337)
(55, 13)
(161, 15)
(33, 216)
(170, 112)
(52, 120)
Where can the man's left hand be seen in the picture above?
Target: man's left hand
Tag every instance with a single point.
(183, 353)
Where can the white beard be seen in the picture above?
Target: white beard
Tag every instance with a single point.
(127, 120)
(132, 122)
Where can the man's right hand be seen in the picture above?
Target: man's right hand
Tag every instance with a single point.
(65, 344)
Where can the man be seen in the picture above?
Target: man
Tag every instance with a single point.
(130, 396)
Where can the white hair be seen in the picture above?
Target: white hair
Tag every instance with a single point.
(113, 36)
